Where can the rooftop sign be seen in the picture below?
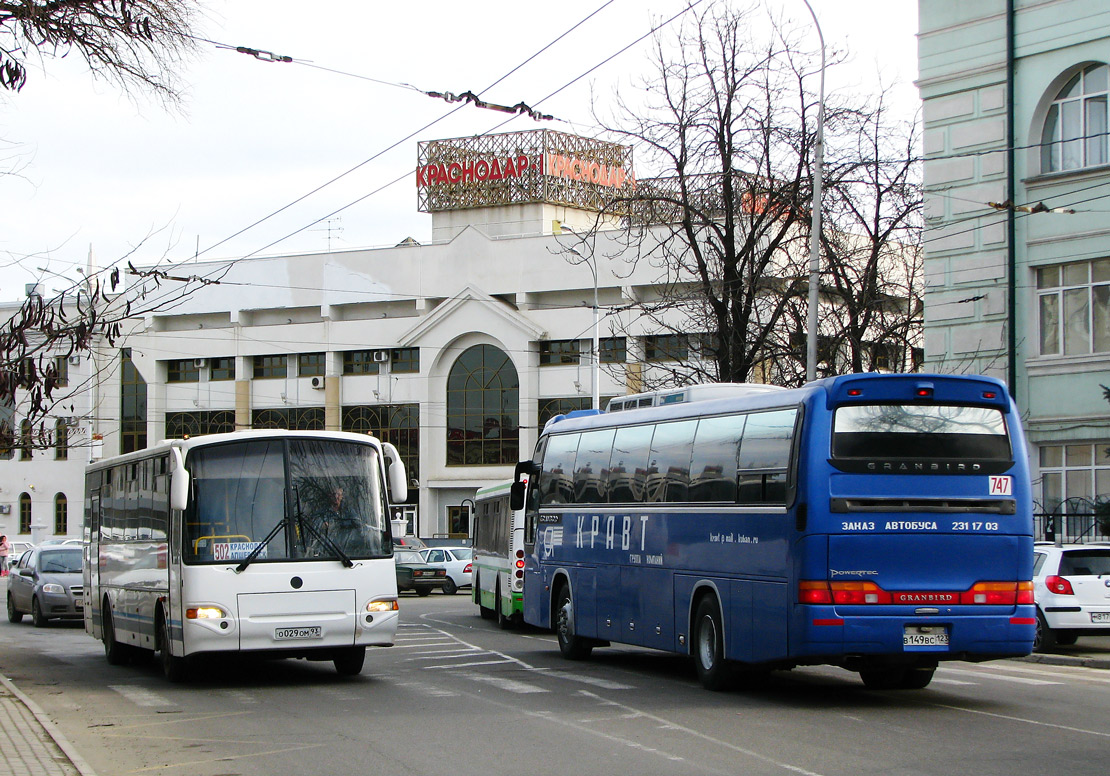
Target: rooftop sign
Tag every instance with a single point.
(516, 168)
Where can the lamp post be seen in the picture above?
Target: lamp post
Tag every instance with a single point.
(815, 216)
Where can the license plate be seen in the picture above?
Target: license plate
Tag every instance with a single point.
(287, 634)
(1100, 616)
(925, 636)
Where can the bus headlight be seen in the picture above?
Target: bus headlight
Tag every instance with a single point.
(205, 613)
(383, 605)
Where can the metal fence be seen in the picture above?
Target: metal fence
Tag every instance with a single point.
(1069, 528)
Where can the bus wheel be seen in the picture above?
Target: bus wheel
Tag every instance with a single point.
(348, 661)
(173, 668)
(709, 652)
(114, 652)
(14, 615)
(885, 678)
(450, 588)
(917, 678)
(572, 646)
(485, 611)
(503, 622)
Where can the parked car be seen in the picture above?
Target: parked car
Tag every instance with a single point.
(1071, 586)
(413, 573)
(457, 561)
(408, 542)
(18, 548)
(46, 583)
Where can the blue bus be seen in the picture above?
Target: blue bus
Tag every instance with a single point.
(881, 523)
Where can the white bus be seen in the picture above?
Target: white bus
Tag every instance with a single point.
(498, 541)
(255, 541)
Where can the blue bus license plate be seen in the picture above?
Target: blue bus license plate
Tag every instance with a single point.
(286, 634)
(924, 636)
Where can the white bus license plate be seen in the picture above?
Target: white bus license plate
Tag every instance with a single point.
(914, 636)
(1100, 616)
(287, 634)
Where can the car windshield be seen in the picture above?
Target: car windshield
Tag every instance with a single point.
(406, 556)
(60, 562)
(314, 499)
(1085, 563)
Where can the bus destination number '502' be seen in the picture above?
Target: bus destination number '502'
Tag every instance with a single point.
(970, 525)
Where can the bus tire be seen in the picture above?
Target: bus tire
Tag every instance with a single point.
(885, 678)
(503, 622)
(917, 678)
(450, 588)
(349, 661)
(115, 653)
(14, 615)
(37, 617)
(709, 646)
(173, 668)
(1045, 639)
(485, 611)
(572, 646)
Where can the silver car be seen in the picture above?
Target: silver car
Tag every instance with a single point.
(46, 583)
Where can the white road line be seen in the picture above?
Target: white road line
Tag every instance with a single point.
(1037, 722)
(503, 683)
(445, 655)
(429, 689)
(941, 680)
(141, 696)
(997, 677)
(449, 666)
(595, 681)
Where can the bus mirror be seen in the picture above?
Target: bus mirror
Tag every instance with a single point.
(179, 482)
(516, 495)
(395, 470)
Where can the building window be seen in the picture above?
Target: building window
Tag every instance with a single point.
(61, 371)
(395, 423)
(1075, 127)
(184, 370)
(1074, 477)
(614, 350)
(666, 347)
(310, 365)
(221, 368)
(1074, 308)
(7, 440)
(549, 408)
(25, 513)
(132, 406)
(61, 441)
(483, 409)
(270, 367)
(182, 425)
(61, 515)
(553, 352)
(25, 448)
(359, 362)
(291, 418)
(404, 360)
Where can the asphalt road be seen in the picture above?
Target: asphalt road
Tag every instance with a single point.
(457, 696)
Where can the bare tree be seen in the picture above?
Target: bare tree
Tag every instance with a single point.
(135, 43)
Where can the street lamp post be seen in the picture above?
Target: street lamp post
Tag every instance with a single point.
(815, 216)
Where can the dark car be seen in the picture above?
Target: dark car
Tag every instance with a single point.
(414, 574)
(46, 583)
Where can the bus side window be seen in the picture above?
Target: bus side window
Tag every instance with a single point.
(765, 457)
(669, 462)
(591, 466)
(628, 468)
(556, 483)
(713, 464)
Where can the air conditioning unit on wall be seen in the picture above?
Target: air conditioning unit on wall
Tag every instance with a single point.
(200, 363)
(318, 383)
(381, 356)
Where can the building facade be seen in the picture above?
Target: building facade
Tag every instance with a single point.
(1017, 243)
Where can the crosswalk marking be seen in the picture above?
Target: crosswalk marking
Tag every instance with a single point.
(141, 696)
(504, 683)
(999, 677)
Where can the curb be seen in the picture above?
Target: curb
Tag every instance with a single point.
(51, 729)
(1069, 660)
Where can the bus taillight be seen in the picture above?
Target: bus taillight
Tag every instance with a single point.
(814, 591)
(859, 593)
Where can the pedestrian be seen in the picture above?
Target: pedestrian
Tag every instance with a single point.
(5, 551)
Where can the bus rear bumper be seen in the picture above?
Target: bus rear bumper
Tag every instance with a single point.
(1008, 632)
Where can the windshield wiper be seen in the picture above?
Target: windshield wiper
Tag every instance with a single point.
(261, 546)
(323, 538)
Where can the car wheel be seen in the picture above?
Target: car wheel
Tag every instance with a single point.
(709, 645)
(14, 615)
(423, 591)
(572, 646)
(115, 653)
(450, 588)
(1046, 637)
(348, 662)
(37, 617)
(174, 668)
(1065, 638)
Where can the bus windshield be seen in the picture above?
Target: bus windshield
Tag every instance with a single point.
(919, 431)
(320, 498)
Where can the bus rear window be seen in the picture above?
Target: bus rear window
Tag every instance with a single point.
(922, 438)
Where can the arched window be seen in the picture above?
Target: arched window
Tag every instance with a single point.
(1075, 127)
(61, 515)
(483, 409)
(25, 513)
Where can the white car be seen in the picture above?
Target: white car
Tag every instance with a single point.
(457, 561)
(1071, 585)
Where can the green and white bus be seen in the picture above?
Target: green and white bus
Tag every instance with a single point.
(497, 536)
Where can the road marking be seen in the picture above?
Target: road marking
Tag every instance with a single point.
(429, 689)
(997, 677)
(595, 681)
(141, 696)
(449, 666)
(941, 680)
(1038, 722)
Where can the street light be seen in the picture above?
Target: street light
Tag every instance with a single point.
(815, 216)
(595, 366)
